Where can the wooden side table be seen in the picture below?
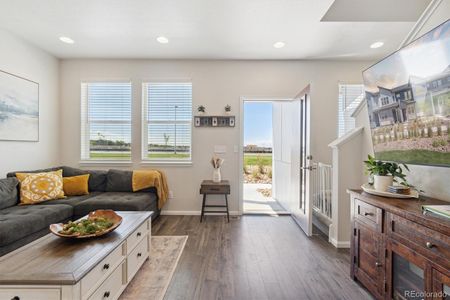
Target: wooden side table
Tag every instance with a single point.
(209, 187)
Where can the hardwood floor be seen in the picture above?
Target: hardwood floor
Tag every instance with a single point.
(256, 257)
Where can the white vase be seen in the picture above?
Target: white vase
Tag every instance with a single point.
(217, 177)
(382, 183)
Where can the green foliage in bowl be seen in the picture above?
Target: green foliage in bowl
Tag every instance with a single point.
(86, 226)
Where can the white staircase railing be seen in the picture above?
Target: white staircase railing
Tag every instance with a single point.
(321, 190)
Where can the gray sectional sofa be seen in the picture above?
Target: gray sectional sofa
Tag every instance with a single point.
(21, 224)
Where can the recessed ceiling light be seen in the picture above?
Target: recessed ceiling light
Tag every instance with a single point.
(376, 45)
(162, 39)
(66, 40)
(279, 45)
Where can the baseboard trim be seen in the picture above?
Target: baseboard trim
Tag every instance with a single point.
(192, 213)
(339, 244)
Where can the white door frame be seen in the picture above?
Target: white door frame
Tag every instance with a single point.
(241, 140)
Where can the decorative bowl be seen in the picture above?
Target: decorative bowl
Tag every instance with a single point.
(103, 213)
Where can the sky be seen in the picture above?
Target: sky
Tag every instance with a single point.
(258, 123)
(427, 56)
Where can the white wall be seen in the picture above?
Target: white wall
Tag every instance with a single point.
(215, 84)
(25, 60)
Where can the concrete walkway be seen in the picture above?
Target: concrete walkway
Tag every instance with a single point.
(255, 202)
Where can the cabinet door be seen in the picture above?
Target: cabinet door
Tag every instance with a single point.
(441, 285)
(368, 258)
(406, 273)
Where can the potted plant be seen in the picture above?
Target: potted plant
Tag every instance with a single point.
(228, 109)
(201, 110)
(385, 173)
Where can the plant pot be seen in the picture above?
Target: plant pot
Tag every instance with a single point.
(217, 177)
(382, 183)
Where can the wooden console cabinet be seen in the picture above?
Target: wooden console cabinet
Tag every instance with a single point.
(397, 252)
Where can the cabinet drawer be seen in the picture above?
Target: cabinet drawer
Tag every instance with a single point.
(137, 236)
(112, 286)
(219, 189)
(368, 214)
(136, 258)
(101, 271)
(430, 243)
(30, 294)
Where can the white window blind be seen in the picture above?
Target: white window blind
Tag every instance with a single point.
(167, 121)
(106, 121)
(350, 96)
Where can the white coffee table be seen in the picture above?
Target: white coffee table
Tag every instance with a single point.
(54, 268)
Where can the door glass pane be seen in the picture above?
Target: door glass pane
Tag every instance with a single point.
(303, 161)
(408, 279)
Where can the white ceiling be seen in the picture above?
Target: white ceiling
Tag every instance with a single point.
(199, 29)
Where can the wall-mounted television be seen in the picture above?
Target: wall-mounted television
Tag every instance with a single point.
(408, 100)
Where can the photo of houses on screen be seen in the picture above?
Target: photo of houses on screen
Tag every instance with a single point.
(408, 101)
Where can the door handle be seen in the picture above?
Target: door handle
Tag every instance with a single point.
(308, 168)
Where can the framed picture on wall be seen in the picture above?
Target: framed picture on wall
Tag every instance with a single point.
(197, 121)
(19, 108)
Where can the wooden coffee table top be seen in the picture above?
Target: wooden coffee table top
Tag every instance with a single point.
(62, 261)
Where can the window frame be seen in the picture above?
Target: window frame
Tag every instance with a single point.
(145, 122)
(86, 125)
(346, 106)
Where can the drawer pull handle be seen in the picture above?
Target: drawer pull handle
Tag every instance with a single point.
(139, 234)
(15, 298)
(105, 266)
(139, 254)
(377, 264)
(429, 245)
(106, 294)
(368, 214)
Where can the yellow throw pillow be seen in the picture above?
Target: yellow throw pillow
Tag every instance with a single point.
(39, 187)
(76, 185)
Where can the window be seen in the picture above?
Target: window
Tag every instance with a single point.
(167, 121)
(384, 101)
(106, 121)
(350, 96)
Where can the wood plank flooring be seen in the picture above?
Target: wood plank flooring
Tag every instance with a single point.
(255, 257)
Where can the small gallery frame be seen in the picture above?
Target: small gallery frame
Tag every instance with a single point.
(214, 121)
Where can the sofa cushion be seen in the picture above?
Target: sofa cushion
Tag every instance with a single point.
(115, 201)
(97, 178)
(20, 221)
(72, 200)
(76, 185)
(40, 187)
(8, 192)
(13, 174)
(119, 181)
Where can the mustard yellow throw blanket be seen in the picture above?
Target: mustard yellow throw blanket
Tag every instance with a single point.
(143, 179)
